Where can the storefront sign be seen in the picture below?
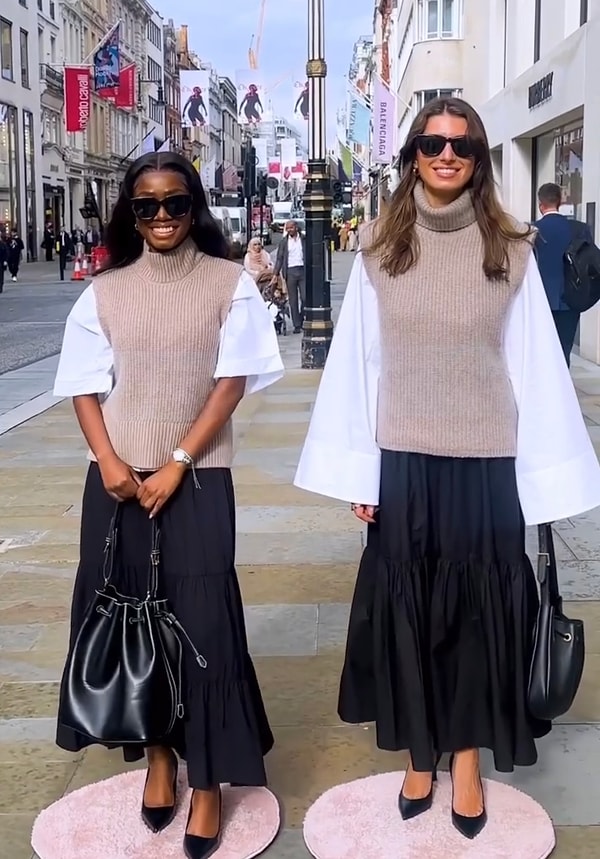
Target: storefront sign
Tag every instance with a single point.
(77, 98)
(541, 91)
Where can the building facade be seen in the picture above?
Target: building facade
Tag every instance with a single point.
(21, 194)
(172, 90)
(542, 113)
(152, 90)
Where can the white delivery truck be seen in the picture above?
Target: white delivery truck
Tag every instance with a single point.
(282, 213)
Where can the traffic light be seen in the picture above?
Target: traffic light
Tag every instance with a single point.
(262, 190)
(249, 161)
(338, 195)
(240, 195)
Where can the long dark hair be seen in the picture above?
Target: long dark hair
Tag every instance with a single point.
(395, 239)
(123, 242)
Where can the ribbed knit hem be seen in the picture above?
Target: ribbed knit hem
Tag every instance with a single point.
(474, 452)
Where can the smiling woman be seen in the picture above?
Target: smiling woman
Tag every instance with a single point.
(158, 352)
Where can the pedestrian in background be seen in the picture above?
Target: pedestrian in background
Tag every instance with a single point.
(15, 253)
(444, 367)
(64, 247)
(169, 338)
(555, 233)
(290, 264)
(48, 242)
(3, 260)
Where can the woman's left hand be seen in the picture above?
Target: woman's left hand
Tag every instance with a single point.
(156, 490)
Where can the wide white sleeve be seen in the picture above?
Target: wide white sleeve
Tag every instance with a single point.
(85, 365)
(248, 342)
(558, 474)
(341, 458)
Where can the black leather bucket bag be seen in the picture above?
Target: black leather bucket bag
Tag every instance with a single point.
(559, 646)
(122, 683)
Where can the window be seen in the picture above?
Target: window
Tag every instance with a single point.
(24, 46)
(440, 19)
(154, 71)
(583, 12)
(23, 3)
(29, 164)
(537, 31)
(6, 59)
(427, 95)
(52, 10)
(52, 49)
(154, 34)
(154, 110)
(41, 5)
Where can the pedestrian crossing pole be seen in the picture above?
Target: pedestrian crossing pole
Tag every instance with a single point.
(318, 327)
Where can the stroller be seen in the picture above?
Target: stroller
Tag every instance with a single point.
(276, 300)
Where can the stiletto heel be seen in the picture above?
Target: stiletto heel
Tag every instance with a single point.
(159, 817)
(469, 827)
(196, 846)
(410, 808)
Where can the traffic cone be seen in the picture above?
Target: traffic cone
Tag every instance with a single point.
(77, 273)
(85, 268)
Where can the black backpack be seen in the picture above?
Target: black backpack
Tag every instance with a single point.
(582, 270)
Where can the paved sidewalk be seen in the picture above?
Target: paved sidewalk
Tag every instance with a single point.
(297, 558)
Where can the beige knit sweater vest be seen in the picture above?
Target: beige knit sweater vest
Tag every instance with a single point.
(444, 387)
(162, 316)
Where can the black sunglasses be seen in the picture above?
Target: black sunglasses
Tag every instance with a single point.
(432, 145)
(147, 208)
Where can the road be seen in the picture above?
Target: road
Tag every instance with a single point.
(33, 313)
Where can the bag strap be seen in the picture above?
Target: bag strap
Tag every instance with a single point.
(110, 551)
(547, 572)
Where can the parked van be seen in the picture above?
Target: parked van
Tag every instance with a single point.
(223, 217)
(239, 226)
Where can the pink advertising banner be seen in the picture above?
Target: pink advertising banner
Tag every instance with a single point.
(384, 119)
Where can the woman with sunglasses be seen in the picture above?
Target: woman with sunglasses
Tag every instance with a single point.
(158, 352)
(444, 372)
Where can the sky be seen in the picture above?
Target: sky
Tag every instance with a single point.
(222, 37)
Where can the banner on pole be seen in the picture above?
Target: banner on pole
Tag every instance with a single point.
(384, 118)
(125, 92)
(251, 98)
(195, 88)
(287, 149)
(260, 147)
(359, 123)
(107, 63)
(301, 99)
(77, 98)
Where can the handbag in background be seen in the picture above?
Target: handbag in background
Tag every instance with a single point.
(122, 682)
(559, 647)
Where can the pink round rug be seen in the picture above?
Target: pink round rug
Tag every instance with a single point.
(361, 819)
(102, 821)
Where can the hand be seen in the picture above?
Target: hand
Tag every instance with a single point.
(273, 280)
(156, 490)
(119, 479)
(364, 512)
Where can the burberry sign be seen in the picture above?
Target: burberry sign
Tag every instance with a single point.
(541, 91)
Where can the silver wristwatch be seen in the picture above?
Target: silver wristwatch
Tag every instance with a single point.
(179, 455)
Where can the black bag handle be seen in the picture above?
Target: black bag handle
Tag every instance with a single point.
(110, 551)
(547, 572)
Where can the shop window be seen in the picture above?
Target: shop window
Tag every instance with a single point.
(440, 19)
(422, 98)
(9, 168)
(29, 162)
(24, 46)
(583, 12)
(6, 58)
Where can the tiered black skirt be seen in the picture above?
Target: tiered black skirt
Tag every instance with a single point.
(225, 732)
(441, 627)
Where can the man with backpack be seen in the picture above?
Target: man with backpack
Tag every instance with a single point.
(569, 264)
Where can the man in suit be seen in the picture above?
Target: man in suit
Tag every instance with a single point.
(290, 264)
(554, 237)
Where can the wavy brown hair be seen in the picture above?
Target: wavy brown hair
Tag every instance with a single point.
(395, 240)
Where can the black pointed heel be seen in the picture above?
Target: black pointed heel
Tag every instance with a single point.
(410, 808)
(196, 846)
(469, 827)
(158, 818)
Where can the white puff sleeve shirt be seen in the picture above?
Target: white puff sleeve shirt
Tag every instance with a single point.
(247, 346)
(558, 475)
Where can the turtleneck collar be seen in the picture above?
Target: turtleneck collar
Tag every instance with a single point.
(446, 219)
(171, 266)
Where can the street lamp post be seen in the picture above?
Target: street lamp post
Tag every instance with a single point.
(318, 327)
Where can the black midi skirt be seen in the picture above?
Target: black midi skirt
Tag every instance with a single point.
(225, 733)
(441, 626)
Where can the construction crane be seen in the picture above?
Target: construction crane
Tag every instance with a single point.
(255, 41)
